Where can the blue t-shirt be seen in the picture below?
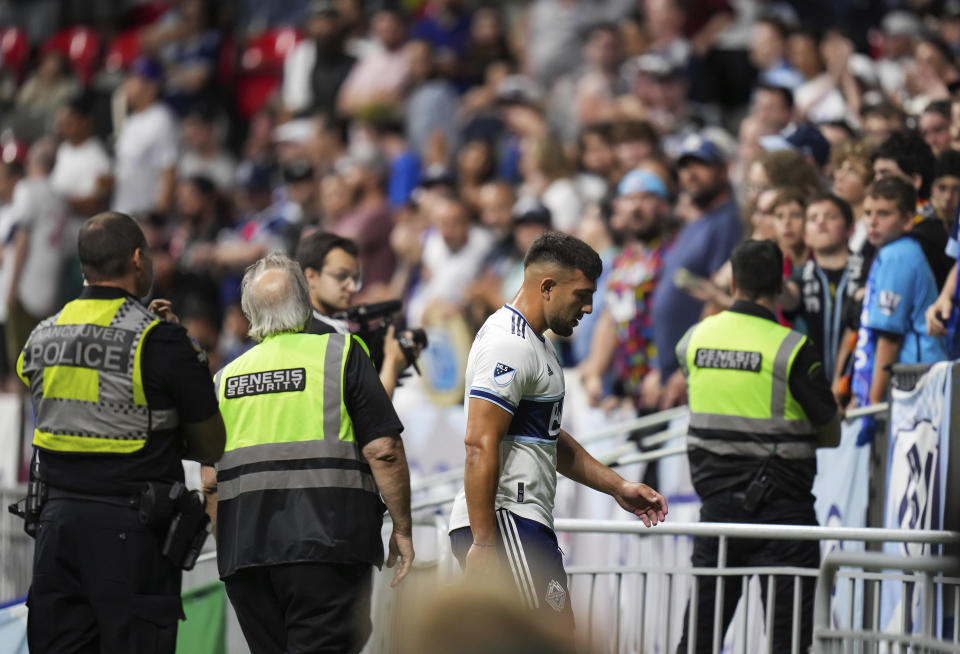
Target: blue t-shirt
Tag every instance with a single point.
(899, 290)
(701, 247)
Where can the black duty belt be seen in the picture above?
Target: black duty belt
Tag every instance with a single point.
(131, 501)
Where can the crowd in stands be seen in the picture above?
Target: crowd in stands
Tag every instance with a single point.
(445, 135)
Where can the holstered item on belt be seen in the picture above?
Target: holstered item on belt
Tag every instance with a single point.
(30, 506)
(188, 529)
(757, 490)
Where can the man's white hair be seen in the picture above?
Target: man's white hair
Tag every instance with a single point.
(276, 307)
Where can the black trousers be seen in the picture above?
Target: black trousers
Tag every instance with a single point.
(298, 608)
(750, 553)
(100, 583)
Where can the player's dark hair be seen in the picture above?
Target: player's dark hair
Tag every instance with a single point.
(313, 249)
(939, 107)
(757, 268)
(842, 205)
(566, 251)
(912, 154)
(106, 243)
(896, 190)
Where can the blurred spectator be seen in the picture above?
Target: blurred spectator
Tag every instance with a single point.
(907, 156)
(486, 45)
(635, 144)
(146, 147)
(475, 166)
(203, 151)
(11, 172)
(379, 79)
(402, 160)
(32, 266)
(597, 162)
(768, 53)
(186, 41)
(899, 31)
(367, 221)
(82, 172)
(587, 94)
(432, 105)
(852, 173)
(899, 289)
(934, 126)
(624, 336)
(823, 64)
(879, 121)
(453, 252)
(661, 89)
(945, 190)
(789, 210)
(701, 248)
(780, 169)
(772, 107)
(46, 89)
(548, 176)
(198, 222)
(316, 68)
(824, 287)
(446, 26)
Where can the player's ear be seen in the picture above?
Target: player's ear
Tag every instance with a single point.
(546, 285)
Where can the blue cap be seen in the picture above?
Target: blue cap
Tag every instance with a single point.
(148, 69)
(700, 148)
(809, 140)
(642, 181)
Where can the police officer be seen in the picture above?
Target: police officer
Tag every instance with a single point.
(312, 445)
(331, 266)
(760, 405)
(120, 398)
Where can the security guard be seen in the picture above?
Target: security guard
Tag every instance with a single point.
(760, 405)
(312, 444)
(120, 398)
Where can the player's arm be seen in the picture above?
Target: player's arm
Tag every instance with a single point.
(487, 423)
(579, 465)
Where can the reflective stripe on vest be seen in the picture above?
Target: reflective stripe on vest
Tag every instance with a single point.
(738, 370)
(269, 399)
(83, 366)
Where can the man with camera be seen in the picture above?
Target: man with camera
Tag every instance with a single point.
(331, 266)
(121, 397)
(760, 406)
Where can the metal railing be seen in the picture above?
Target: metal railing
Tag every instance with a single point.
(927, 572)
(660, 592)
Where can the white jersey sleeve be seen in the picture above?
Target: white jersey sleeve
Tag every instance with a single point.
(503, 367)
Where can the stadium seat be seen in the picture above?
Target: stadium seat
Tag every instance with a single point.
(80, 46)
(123, 50)
(14, 50)
(146, 13)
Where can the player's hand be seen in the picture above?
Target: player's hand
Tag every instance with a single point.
(482, 561)
(643, 502)
(164, 309)
(937, 315)
(401, 548)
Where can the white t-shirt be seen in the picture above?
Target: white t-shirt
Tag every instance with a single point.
(146, 146)
(78, 167)
(517, 369)
(38, 208)
(7, 220)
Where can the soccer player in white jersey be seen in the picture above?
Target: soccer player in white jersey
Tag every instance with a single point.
(502, 520)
